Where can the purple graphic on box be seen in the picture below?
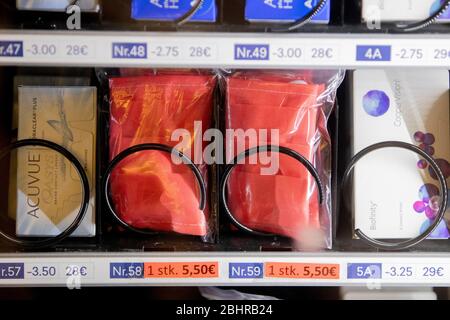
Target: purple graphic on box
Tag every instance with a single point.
(436, 6)
(376, 103)
(426, 141)
(441, 232)
(444, 166)
(429, 203)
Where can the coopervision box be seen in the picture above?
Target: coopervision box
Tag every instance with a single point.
(396, 193)
(401, 10)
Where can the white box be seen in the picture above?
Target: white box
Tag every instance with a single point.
(48, 186)
(401, 10)
(399, 105)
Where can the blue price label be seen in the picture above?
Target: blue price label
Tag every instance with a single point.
(12, 271)
(246, 270)
(128, 50)
(251, 52)
(364, 271)
(126, 270)
(11, 49)
(373, 53)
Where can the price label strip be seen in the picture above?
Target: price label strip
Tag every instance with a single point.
(422, 272)
(181, 270)
(302, 271)
(59, 270)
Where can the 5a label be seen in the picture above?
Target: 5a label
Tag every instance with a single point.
(364, 271)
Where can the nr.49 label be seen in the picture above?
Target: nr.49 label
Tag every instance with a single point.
(251, 52)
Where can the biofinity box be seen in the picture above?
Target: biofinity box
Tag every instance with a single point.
(48, 187)
(284, 11)
(32, 81)
(401, 10)
(169, 10)
(57, 5)
(396, 193)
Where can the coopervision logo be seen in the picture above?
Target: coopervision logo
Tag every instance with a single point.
(373, 215)
(398, 92)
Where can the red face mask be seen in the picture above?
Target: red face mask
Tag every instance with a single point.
(286, 202)
(149, 191)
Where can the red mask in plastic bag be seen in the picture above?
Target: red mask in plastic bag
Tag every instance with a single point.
(285, 203)
(148, 190)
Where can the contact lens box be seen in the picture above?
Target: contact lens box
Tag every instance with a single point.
(396, 194)
(401, 10)
(57, 5)
(170, 10)
(48, 187)
(32, 81)
(284, 11)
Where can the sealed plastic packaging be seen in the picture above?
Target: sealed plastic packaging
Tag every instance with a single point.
(285, 115)
(151, 190)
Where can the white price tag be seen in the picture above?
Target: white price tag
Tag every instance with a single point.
(165, 51)
(77, 270)
(42, 49)
(60, 50)
(399, 272)
(441, 55)
(41, 271)
(200, 51)
(409, 54)
(435, 273)
(288, 53)
(323, 54)
(78, 49)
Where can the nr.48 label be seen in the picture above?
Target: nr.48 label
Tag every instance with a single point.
(128, 50)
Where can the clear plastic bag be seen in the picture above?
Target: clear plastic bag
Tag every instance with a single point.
(149, 191)
(296, 104)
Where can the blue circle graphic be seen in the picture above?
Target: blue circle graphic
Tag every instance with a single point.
(376, 103)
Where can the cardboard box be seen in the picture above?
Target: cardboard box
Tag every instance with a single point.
(48, 186)
(32, 81)
(401, 10)
(57, 5)
(284, 11)
(395, 194)
(169, 10)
